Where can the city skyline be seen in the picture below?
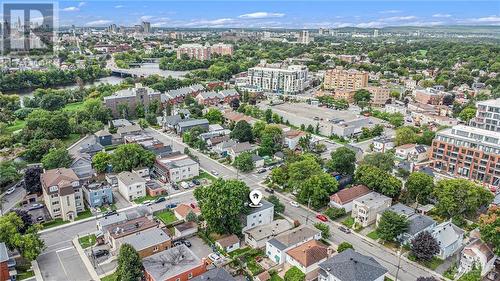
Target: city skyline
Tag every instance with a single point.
(277, 14)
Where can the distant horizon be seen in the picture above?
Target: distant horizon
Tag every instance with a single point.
(279, 14)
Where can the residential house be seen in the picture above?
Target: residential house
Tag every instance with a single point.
(131, 98)
(258, 161)
(91, 148)
(176, 167)
(120, 122)
(343, 198)
(277, 247)
(413, 152)
(416, 224)
(104, 137)
(479, 254)
(449, 237)
(153, 189)
(258, 236)
(255, 216)
(130, 130)
(182, 211)
(399, 209)
(229, 243)
(222, 149)
(185, 229)
(177, 96)
(97, 194)
(213, 141)
(142, 172)
(170, 122)
(351, 266)
(115, 233)
(216, 274)
(292, 137)
(175, 264)
(233, 117)
(307, 256)
(157, 147)
(366, 207)
(131, 185)
(62, 193)
(383, 144)
(148, 242)
(186, 125)
(82, 166)
(239, 148)
(4, 263)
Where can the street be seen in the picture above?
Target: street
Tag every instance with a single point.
(9, 201)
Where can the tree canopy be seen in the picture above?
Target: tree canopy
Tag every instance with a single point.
(129, 264)
(129, 156)
(391, 225)
(418, 188)
(242, 132)
(342, 161)
(244, 162)
(378, 180)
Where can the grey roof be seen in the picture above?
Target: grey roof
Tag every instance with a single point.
(4, 255)
(91, 147)
(256, 158)
(241, 147)
(120, 123)
(229, 92)
(168, 263)
(401, 209)
(427, 170)
(266, 230)
(147, 238)
(352, 266)
(172, 120)
(265, 205)
(292, 237)
(129, 129)
(419, 223)
(193, 122)
(405, 165)
(217, 274)
(420, 148)
(129, 178)
(372, 199)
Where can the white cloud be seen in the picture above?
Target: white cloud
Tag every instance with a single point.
(159, 24)
(370, 24)
(441, 16)
(261, 15)
(402, 18)
(119, 6)
(490, 19)
(145, 18)
(81, 4)
(390, 12)
(71, 9)
(98, 23)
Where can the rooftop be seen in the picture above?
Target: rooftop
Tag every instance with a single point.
(192, 122)
(4, 254)
(401, 209)
(309, 253)
(267, 230)
(125, 228)
(265, 205)
(147, 238)
(352, 266)
(292, 237)
(228, 240)
(169, 263)
(129, 178)
(372, 199)
(349, 194)
(418, 223)
(217, 274)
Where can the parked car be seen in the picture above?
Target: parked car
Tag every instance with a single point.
(321, 217)
(177, 243)
(10, 190)
(100, 253)
(40, 219)
(148, 203)
(184, 185)
(197, 182)
(344, 229)
(192, 205)
(110, 213)
(175, 186)
(191, 184)
(160, 199)
(263, 170)
(214, 173)
(293, 203)
(269, 190)
(171, 206)
(214, 257)
(187, 243)
(35, 206)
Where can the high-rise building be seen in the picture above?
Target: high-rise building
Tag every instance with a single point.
(339, 78)
(222, 49)
(204, 52)
(375, 33)
(473, 151)
(146, 27)
(291, 80)
(379, 95)
(304, 37)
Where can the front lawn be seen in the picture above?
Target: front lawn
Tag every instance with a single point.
(15, 126)
(167, 217)
(71, 139)
(373, 235)
(145, 198)
(74, 106)
(431, 264)
(84, 215)
(111, 277)
(53, 223)
(87, 241)
(254, 267)
(275, 277)
(205, 175)
(349, 222)
(24, 271)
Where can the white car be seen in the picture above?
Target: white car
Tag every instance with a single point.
(10, 190)
(214, 173)
(293, 203)
(215, 258)
(148, 203)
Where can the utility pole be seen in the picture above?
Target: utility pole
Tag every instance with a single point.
(399, 260)
(308, 207)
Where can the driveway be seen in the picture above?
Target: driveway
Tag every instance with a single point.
(199, 248)
(120, 201)
(63, 264)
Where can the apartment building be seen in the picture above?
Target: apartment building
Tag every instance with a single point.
(176, 167)
(487, 115)
(380, 95)
(222, 49)
(345, 79)
(204, 52)
(128, 99)
(366, 207)
(131, 185)
(62, 193)
(427, 96)
(291, 80)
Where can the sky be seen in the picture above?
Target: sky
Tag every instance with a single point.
(279, 14)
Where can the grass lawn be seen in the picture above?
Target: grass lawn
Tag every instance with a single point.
(146, 198)
(83, 215)
(275, 277)
(15, 126)
(24, 271)
(71, 139)
(385, 279)
(239, 252)
(349, 222)
(431, 264)
(167, 217)
(73, 106)
(205, 175)
(87, 241)
(111, 277)
(254, 267)
(53, 223)
(373, 235)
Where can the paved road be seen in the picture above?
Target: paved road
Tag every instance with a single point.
(9, 201)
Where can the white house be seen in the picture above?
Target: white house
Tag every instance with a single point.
(449, 238)
(229, 243)
(258, 216)
(131, 185)
(365, 208)
(412, 152)
(383, 144)
(258, 236)
(477, 253)
(343, 199)
(277, 247)
(176, 167)
(292, 137)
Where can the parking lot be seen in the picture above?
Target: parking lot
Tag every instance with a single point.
(63, 264)
(199, 248)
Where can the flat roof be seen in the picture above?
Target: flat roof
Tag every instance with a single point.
(145, 239)
(171, 262)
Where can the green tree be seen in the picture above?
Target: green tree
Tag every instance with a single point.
(242, 132)
(316, 190)
(391, 225)
(343, 161)
(300, 171)
(405, 135)
(258, 128)
(460, 198)
(9, 173)
(489, 224)
(244, 162)
(271, 140)
(473, 275)
(344, 246)
(467, 114)
(279, 208)
(129, 156)
(418, 188)
(129, 264)
(378, 180)
(424, 246)
(397, 120)
(57, 158)
(268, 115)
(101, 161)
(324, 228)
(362, 96)
(383, 161)
(222, 203)
(214, 116)
(28, 243)
(294, 274)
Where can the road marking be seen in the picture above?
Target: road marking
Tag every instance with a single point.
(65, 249)
(62, 265)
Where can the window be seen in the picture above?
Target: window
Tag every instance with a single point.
(155, 249)
(190, 275)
